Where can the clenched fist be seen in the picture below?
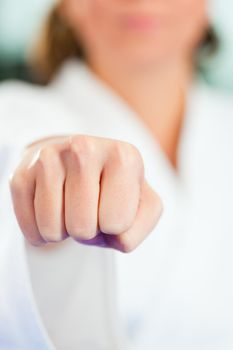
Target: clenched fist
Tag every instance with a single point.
(89, 188)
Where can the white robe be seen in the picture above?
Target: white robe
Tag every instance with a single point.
(175, 291)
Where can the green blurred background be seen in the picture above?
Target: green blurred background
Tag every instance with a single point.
(20, 22)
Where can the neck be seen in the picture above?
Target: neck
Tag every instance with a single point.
(156, 94)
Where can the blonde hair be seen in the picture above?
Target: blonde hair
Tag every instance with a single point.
(57, 43)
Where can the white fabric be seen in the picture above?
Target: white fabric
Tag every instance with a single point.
(175, 291)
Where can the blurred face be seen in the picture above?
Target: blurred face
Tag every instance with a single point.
(137, 32)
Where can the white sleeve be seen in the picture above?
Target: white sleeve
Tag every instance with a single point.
(10, 155)
(20, 326)
(40, 284)
(12, 113)
(58, 279)
(29, 113)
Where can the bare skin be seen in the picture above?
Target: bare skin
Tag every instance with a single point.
(143, 50)
(89, 188)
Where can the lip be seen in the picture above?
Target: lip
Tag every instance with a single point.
(141, 22)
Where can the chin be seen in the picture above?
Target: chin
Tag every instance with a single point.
(145, 58)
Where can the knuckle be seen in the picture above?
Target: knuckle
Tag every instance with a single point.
(46, 157)
(134, 155)
(18, 180)
(83, 149)
(49, 163)
(119, 153)
(82, 144)
(46, 153)
(127, 154)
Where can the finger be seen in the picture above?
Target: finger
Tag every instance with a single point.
(119, 195)
(81, 195)
(22, 188)
(49, 201)
(149, 212)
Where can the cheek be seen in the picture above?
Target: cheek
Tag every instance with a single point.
(96, 21)
(189, 23)
(184, 24)
(96, 15)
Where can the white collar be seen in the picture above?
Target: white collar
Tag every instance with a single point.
(76, 82)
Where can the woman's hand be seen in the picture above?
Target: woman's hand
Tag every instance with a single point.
(89, 188)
